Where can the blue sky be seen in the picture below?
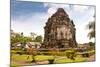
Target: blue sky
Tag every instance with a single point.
(19, 8)
(27, 16)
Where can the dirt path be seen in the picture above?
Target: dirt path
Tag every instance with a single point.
(21, 62)
(91, 58)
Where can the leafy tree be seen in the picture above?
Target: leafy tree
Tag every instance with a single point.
(91, 27)
(25, 39)
(15, 38)
(38, 39)
(91, 43)
(19, 38)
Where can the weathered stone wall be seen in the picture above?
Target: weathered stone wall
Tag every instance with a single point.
(59, 31)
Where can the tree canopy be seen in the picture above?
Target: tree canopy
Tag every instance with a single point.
(19, 38)
(38, 39)
(91, 27)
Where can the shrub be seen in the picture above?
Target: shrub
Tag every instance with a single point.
(54, 51)
(61, 53)
(20, 52)
(39, 53)
(71, 54)
(33, 58)
(85, 54)
(13, 52)
(91, 52)
(44, 53)
(88, 53)
(31, 51)
(51, 61)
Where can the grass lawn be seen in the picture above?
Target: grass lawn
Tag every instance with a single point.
(44, 57)
(24, 57)
(20, 57)
(13, 64)
(60, 59)
(66, 60)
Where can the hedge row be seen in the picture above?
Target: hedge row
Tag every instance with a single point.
(58, 53)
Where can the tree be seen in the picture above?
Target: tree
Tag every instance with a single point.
(15, 38)
(32, 35)
(91, 43)
(25, 40)
(38, 39)
(91, 27)
(19, 38)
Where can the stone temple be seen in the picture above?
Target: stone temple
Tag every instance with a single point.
(59, 31)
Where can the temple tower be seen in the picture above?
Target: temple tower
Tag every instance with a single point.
(59, 31)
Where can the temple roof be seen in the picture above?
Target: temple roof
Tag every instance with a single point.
(60, 17)
(60, 11)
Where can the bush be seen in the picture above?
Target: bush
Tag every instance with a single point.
(39, 53)
(54, 51)
(31, 51)
(71, 54)
(13, 52)
(91, 52)
(88, 53)
(46, 53)
(60, 53)
(51, 61)
(33, 58)
(85, 54)
(20, 52)
(43, 57)
(43, 53)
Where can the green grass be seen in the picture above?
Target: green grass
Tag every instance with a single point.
(43, 57)
(20, 57)
(66, 60)
(24, 57)
(92, 51)
(80, 59)
(13, 64)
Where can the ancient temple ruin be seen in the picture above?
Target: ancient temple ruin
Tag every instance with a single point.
(59, 31)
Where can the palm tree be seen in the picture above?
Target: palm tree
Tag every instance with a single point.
(91, 27)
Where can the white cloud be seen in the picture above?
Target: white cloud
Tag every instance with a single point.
(80, 8)
(52, 8)
(51, 11)
(34, 23)
(81, 32)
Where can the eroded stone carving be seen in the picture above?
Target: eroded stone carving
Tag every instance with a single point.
(59, 31)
